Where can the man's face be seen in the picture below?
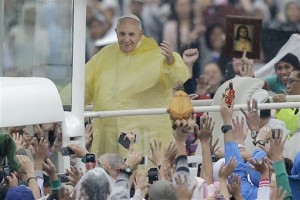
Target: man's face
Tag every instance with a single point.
(283, 70)
(293, 85)
(105, 164)
(243, 33)
(129, 34)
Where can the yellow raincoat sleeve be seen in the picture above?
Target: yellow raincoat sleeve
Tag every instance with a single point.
(90, 78)
(174, 73)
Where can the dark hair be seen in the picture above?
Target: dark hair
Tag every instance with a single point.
(208, 32)
(290, 59)
(237, 36)
(288, 165)
(265, 113)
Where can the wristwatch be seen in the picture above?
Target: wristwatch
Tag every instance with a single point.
(254, 134)
(127, 170)
(226, 128)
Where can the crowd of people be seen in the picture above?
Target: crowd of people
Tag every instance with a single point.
(152, 48)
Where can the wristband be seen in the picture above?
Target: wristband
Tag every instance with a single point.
(31, 178)
(241, 146)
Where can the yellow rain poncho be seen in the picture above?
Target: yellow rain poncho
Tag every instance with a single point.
(140, 79)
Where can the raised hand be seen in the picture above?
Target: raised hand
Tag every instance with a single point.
(133, 160)
(169, 153)
(247, 65)
(141, 181)
(131, 136)
(38, 131)
(276, 148)
(182, 128)
(40, 154)
(156, 152)
(190, 56)
(78, 150)
(74, 176)
(252, 117)
(260, 166)
(166, 172)
(50, 168)
(58, 138)
(227, 169)
(19, 141)
(206, 129)
(214, 147)
(26, 166)
(183, 191)
(167, 52)
(234, 186)
(226, 112)
(238, 130)
(12, 180)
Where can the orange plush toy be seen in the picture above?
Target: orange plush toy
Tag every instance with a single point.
(180, 107)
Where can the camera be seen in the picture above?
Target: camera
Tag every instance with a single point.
(90, 158)
(66, 151)
(6, 171)
(63, 178)
(90, 161)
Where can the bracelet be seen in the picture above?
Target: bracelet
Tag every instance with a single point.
(31, 178)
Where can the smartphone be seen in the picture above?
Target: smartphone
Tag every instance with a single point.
(153, 175)
(6, 171)
(63, 178)
(144, 160)
(66, 151)
(90, 157)
(90, 161)
(126, 142)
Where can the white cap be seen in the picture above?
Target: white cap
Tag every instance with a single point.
(132, 16)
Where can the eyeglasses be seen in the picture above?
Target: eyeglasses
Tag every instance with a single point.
(291, 81)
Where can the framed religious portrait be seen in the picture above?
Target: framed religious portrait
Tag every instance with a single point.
(243, 34)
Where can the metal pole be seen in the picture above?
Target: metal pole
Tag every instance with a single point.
(160, 111)
(1, 35)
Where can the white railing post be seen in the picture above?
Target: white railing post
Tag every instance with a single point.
(1, 36)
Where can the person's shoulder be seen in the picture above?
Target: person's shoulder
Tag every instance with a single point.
(111, 47)
(271, 78)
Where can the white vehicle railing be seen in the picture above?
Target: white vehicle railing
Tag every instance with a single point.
(159, 111)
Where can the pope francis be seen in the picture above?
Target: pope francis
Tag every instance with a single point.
(134, 73)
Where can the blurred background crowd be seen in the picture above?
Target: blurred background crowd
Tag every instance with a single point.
(38, 42)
